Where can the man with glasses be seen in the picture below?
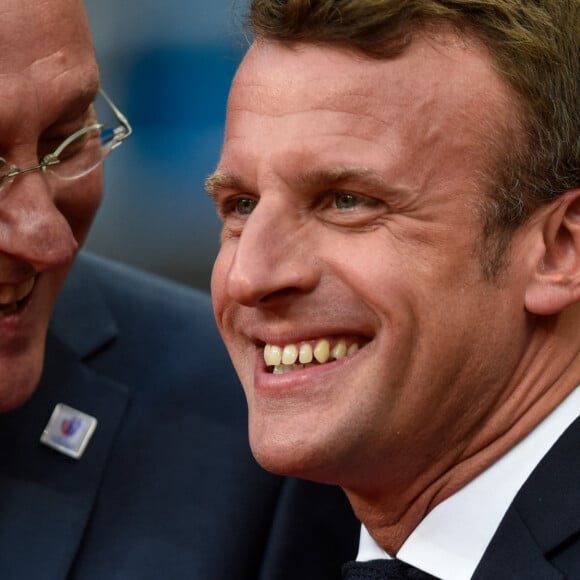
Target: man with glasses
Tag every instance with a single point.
(123, 432)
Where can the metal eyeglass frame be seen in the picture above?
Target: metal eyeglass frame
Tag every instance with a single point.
(120, 133)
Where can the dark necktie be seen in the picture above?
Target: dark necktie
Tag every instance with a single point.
(383, 570)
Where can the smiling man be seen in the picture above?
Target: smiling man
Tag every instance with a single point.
(399, 275)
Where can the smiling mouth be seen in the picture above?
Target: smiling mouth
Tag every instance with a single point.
(292, 357)
(13, 297)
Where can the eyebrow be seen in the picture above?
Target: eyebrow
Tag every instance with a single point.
(339, 174)
(221, 180)
(308, 180)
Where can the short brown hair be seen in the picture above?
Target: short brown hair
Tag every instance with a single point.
(535, 45)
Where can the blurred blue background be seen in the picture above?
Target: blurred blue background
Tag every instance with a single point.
(168, 65)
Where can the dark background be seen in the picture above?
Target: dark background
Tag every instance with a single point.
(168, 65)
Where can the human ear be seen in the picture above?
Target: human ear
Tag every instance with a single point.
(555, 281)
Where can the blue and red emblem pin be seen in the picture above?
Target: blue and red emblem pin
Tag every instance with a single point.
(69, 431)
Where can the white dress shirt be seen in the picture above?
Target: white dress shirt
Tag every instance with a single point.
(450, 541)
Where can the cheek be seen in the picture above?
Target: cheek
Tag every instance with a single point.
(371, 269)
(78, 201)
(219, 286)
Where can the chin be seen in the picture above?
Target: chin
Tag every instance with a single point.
(293, 455)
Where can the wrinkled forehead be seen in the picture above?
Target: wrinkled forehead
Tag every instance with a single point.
(54, 33)
(436, 77)
(281, 73)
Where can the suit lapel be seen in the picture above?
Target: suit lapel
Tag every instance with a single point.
(314, 532)
(514, 553)
(45, 497)
(544, 516)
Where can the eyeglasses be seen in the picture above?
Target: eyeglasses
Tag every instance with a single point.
(78, 154)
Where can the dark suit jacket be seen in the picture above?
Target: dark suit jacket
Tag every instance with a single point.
(539, 537)
(167, 488)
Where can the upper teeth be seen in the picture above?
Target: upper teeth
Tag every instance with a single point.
(287, 356)
(15, 292)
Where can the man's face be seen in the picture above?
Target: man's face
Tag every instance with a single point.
(349, 191)
(48, 80)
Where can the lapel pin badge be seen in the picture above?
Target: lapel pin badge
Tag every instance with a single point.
(69, 431)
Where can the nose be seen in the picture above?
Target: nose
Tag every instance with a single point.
(32, 228)
(273, 258)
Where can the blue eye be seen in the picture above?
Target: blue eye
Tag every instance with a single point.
(244, 205)
(346, 200)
